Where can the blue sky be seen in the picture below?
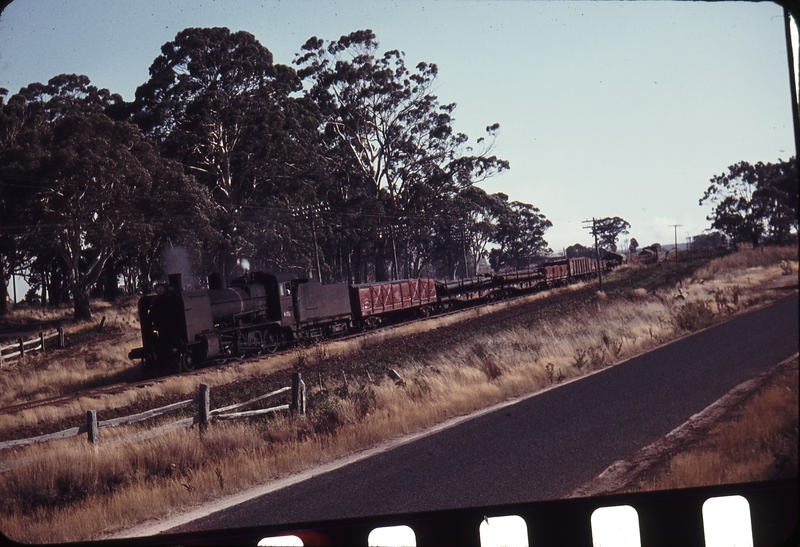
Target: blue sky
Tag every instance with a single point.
(605, 108)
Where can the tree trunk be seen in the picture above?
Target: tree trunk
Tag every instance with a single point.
(82, 311)
(44, 286)
(381, 273)
(3, 286)
(56, 292)
(110, 281)
(81, 281)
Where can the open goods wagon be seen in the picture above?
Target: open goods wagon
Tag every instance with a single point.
(374, 302)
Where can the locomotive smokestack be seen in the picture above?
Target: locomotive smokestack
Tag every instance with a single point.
(175, 282)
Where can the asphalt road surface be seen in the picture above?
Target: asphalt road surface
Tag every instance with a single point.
(544, 447)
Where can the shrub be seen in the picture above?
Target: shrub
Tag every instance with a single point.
(694, 316)
(550, 371)
(580, 358)
(486, 363)
(788, 268)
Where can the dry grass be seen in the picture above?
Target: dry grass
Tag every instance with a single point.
(39, 376)
(761, 257)
(117, 313)
(127, 483)
(760, 444)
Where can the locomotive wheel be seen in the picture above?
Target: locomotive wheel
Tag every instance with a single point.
(148, 367)
(272, 343)
(186, 361)
(255, 339)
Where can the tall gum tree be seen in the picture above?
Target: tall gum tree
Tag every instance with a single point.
(92, 174)
(387, 134)
(608, 230)
(24, 123)
(519, 234)
(216, 103)
(755, 202)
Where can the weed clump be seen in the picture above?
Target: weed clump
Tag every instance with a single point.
(694, 316)
(549, 369)
(486, 363)
(325, 412)
(788, 268)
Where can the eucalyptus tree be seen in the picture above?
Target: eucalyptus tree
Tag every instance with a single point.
(608, 230)
(755, 202)
(88, 175)
(519, 234)
(8, 205)
(388, 139)
(465, 227)
(216, 102)
(25, 120)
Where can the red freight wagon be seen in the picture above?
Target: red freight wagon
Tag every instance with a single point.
(555, 272)
(579, 267)
(378, 299)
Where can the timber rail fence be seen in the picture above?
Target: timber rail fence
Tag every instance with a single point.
(204, 417)
(36, 343)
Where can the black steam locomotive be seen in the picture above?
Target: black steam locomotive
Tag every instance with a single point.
(261, 312)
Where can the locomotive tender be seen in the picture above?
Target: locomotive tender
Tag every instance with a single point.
(260, 312)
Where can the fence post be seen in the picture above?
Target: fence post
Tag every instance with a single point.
(21, 348)
(302, 398)
(1, 358)
(61, 340)
(91, 424)
(205, 404)
(293, 405)
(41, 341)
(298, 404)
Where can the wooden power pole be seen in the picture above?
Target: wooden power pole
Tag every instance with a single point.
(596, 249)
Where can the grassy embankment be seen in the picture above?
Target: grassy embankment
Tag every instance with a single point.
(757, 442)
(68, 491)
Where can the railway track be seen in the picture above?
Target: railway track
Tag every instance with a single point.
(123, 386)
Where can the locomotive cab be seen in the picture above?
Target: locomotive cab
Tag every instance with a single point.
(279, 291)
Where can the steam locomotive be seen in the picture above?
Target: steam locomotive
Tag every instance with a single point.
(261, 312)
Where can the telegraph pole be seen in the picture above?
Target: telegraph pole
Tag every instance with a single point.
(676, 240)
(312, 211)
(593, 227)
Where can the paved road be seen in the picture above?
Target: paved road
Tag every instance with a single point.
(543, 447)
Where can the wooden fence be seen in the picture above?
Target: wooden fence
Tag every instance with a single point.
(205, 416)
(36, 343)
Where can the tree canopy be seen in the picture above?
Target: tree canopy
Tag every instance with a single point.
(608, 230)
(216, 103)
(755, 203)
(345, 166)
(86, 177)
(391, 149)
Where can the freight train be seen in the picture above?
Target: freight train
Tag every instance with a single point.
(262, 312)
